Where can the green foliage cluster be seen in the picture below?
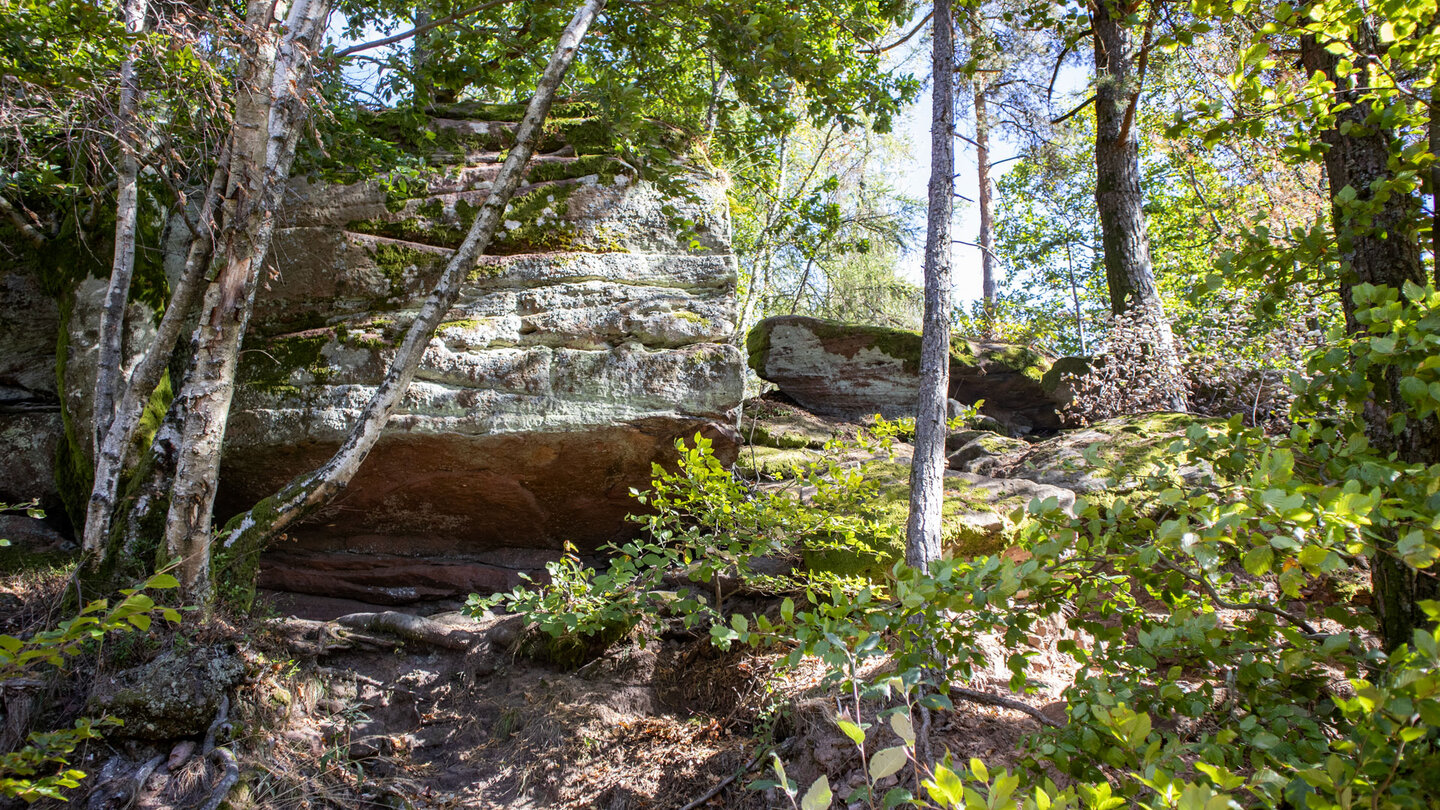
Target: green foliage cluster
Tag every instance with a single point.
(41, 769)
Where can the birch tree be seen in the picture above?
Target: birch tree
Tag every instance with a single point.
(268, 115)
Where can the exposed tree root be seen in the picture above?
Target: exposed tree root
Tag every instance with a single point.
(227, 780)
(410, 628)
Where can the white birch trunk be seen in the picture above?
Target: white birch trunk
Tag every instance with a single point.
(268, 112)
(247, 533)
(927, 472)
(122, 267)
(113, 446)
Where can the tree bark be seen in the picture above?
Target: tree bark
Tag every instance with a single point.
(122, 267)
(1119, 197)
(927, 470)
(113, 446)
(245, 535)
(982, 160)
(1380, 247)
(267, 114)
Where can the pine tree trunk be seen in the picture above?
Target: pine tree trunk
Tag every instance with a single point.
(122, 268)
(982, 160)
(1119, 197)
(268, 112)
(927, 471)
(1384, 250)
(246, 534)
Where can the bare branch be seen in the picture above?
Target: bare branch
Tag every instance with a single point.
(913, 31)
(975, 696)
(1086, 103)
(30, 231)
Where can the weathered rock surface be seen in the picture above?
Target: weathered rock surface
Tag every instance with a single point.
(850, 370)
(30, 422)
(981, 451)
(1110, 456)
(175, 695)
(575, 357)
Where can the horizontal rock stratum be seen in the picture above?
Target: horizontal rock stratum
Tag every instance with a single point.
(851, 370)
(594, 335)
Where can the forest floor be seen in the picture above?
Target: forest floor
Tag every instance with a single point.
(656, 726)
(372, 721)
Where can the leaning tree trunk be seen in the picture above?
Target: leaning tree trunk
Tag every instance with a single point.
(268, 112)
(927, 471)
(122, 266)
(1118, 194)
(246, 534)
(1384, 250)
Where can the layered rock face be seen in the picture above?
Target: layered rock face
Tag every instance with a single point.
(30, 421)
(849, 370)
(590, 340)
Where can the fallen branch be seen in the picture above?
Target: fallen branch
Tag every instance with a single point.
(410, 628)
(976, 696)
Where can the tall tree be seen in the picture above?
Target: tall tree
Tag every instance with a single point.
(269, 114)
(1376, 229)
(980, 79)
(1119, 76)
(927, 470)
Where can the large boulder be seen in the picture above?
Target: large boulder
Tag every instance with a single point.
(178, 694)
(593, 337)
(851, 370)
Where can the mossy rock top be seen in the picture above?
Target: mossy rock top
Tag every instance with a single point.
(1109, 456)
(847, 370)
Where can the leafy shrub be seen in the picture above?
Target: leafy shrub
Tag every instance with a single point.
(42, 769)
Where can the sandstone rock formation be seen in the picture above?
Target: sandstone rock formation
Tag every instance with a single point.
(30, 420)
(850, 370)
(595, 334)
(591, 340)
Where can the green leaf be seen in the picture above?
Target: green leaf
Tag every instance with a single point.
(162, 581)
(854, 732)
(904, 729)
(888, 761)
(945, 788)
(1257, 560)
(818, 796)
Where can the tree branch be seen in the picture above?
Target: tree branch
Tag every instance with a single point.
(975, 696)
(913, 31)
(1086, 103)
(30, 231)
(419, 29)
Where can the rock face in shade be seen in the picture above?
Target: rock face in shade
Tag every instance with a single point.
(592, 338)
(850, 370)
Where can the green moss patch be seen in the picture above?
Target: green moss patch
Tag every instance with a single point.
(274, 368)
(773, 462)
